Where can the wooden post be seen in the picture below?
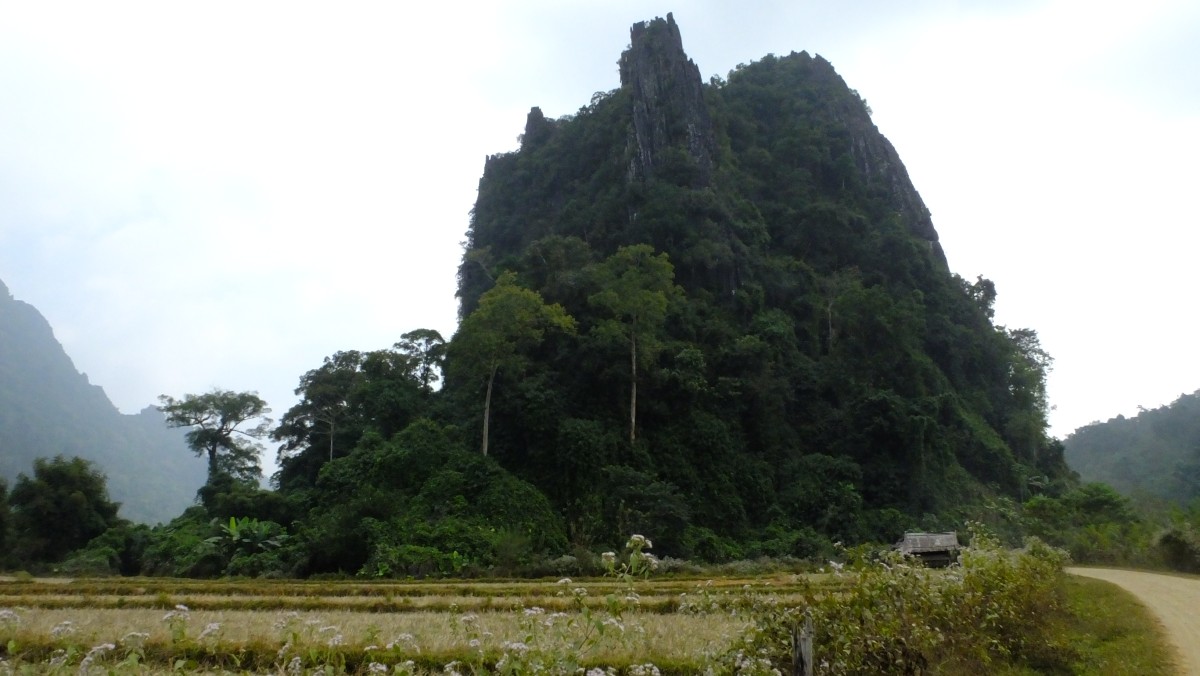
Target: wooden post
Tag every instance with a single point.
(802, 647)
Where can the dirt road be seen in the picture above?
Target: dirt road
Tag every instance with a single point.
(1175, 601)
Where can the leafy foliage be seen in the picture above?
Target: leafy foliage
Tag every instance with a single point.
(898, 618)
(495, 338)
(215, 431)
(59, 509)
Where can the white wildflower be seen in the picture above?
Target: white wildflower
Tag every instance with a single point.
(181, 612)
(64, 628)
(402, 638)
(608, 558)
(57, 658)
(285, 620)
(93, 654)
(135, 638)
(377, 668)
(564, 581)
(209, 629)
(529, 612)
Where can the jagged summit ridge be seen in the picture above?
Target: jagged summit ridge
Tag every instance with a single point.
(668, 100)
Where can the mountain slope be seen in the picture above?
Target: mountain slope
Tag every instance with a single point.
(48, 408)
(1156, 452)
(822, 368)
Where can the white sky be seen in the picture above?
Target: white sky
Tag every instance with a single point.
(222, 194)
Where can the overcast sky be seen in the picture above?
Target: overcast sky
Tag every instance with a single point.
(220, 194)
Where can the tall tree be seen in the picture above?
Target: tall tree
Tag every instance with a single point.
(637, 287)
(324, 406)
(60, 509)
(225, 428)
(509, 320)
(427, 350)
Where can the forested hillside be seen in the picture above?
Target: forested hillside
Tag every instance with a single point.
(47, 408)
(1155, 453)
(767, 342)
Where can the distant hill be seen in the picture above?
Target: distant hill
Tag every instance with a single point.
(1156, 452)
(48, 408)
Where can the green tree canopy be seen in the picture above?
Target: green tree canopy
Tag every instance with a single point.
(59, 509)
(225, 428)
(637, 287)
(509, 320)
(351, 394)
(426, 349)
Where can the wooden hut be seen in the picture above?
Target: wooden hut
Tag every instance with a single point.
(934, 549)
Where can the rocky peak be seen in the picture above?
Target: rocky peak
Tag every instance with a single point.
(668, 101)
(537, 128)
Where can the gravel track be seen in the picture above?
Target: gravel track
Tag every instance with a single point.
(1175, 601)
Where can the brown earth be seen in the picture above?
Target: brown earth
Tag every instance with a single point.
(1175, 601)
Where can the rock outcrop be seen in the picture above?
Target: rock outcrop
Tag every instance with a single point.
(668, 101)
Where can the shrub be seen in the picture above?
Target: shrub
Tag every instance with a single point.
(1180, 549)
(895, 616)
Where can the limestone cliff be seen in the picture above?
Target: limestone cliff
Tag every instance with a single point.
(668, 100)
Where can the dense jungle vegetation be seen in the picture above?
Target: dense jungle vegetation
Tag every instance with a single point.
(716, 314)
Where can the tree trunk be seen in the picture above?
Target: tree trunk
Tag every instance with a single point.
(829, 317)
(213, 469)
(632, 388)
(487, 408)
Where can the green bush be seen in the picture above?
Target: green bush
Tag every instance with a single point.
(895, 616)
(1180, 549)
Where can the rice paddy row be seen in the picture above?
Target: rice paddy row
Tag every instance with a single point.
(337, 589)
(680, 626)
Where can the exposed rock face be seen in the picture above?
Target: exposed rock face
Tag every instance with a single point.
(537, 129)
(668, 100)
(878, 161)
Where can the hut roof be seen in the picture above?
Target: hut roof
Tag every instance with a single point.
(916, 543)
